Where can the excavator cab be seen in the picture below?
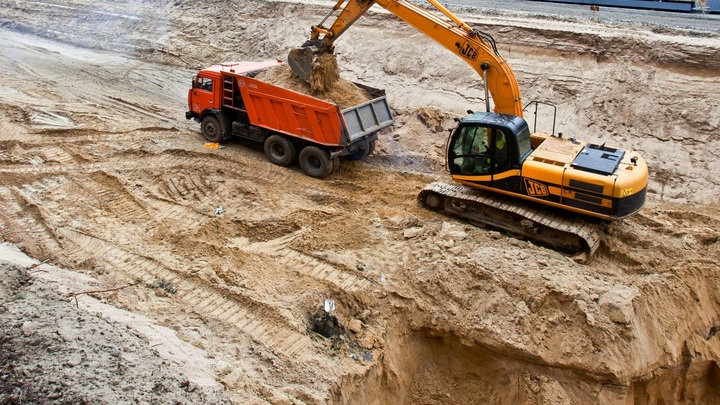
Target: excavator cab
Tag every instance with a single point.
(485, 144)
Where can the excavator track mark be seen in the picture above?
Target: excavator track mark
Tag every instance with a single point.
(565, 233)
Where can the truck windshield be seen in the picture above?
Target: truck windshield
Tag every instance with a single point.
(203, 83)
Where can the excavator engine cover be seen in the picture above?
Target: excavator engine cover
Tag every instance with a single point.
(598, 159)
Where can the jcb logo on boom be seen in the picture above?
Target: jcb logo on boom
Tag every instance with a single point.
(469, 51)
(536, 189)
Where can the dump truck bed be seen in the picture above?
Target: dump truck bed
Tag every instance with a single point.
(292, 113)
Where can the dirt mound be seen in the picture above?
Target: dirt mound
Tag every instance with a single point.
(325, 72)
(52, 351)
(325, 83)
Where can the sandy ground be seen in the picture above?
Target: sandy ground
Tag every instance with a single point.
(137, 290)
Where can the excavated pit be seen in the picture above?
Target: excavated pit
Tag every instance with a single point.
(427, 367)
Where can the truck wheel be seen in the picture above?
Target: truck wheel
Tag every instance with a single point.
(315, 162)
(335, 165)
(360, 154)
(211, 129)
(371, 147)
(363, 153)
(280, 150)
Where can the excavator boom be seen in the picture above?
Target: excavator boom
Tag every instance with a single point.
(471, 45)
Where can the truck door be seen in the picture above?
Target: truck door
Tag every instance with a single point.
(202, 95)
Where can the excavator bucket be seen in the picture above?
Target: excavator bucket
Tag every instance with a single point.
(315, 65)
(301, 61)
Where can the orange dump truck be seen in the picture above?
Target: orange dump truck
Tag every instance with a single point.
(228, 101)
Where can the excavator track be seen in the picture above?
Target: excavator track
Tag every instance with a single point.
(567, 233)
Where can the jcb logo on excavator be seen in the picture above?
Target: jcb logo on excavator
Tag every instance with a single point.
(535, 189)
(469, 51)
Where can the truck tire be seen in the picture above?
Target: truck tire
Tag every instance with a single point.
(365, 152)
(280, 150)
(360, 154)
(315, 162)
(211, 129)
(335, 165)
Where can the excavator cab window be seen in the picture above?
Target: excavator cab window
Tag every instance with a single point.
(523, 138)
(470, 150)
(500, 153)
(478, 150)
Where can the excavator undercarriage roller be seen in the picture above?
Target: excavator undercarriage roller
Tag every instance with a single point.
(567, 233)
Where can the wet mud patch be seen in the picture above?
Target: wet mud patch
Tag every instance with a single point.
(345, 336)
(326, 324)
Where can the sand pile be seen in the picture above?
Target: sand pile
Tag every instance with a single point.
(325, 83)
(325, 73)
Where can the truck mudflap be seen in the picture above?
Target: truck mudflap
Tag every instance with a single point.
(567, 233)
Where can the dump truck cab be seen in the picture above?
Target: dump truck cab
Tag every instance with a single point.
(200, 95)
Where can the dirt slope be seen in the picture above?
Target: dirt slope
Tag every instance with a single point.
(100, 174)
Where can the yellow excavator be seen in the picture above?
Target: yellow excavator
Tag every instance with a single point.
(496, 151)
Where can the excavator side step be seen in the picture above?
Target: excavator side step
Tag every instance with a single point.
(569, 234)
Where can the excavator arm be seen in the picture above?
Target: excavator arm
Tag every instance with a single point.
(471, 45)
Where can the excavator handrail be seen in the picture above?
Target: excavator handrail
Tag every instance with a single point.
(535, 113)
(470, 44)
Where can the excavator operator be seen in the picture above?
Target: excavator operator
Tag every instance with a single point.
(473, 154)
(500, 153)
(471, 151)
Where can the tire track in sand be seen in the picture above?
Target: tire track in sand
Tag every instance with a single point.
(241, 313)
(24, 224)
(307, 265)
(126, 162)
